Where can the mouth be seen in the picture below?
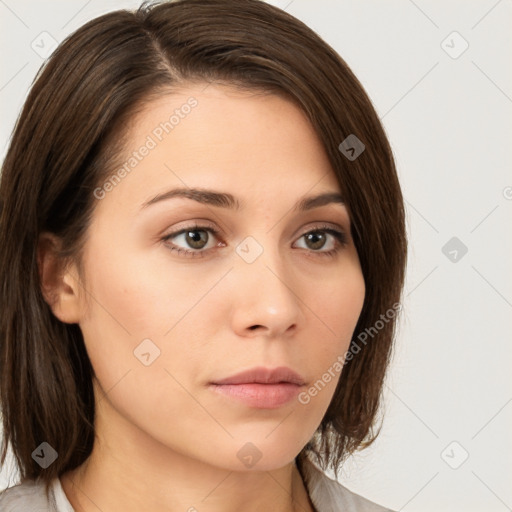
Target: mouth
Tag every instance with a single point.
(260, 387)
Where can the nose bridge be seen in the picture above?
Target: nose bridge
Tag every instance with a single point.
(265, 288)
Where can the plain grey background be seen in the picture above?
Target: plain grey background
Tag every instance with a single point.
(439, 76)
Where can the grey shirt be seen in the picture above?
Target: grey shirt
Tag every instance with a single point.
(326, 494)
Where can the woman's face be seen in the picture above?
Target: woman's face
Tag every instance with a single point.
(187, 291)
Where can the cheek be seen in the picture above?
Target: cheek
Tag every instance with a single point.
(137, 336)
(132, 301)
(134, 295)
(339, 306)
(335, 313)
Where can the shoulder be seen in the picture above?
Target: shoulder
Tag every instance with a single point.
(28, 495)
(328, 495)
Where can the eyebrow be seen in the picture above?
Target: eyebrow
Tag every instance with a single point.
(226, 200)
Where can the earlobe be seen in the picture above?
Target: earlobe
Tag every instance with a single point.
(59, 286)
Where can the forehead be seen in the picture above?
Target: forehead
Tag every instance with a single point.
(218, 136)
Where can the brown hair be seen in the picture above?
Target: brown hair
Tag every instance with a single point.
(64, 145)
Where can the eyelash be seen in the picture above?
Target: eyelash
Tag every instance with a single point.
(340, 239)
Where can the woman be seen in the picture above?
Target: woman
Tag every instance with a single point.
(202, 225)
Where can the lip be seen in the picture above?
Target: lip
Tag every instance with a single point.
(261, 388)
(262, 375)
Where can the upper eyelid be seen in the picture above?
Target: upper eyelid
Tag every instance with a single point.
(205, 225)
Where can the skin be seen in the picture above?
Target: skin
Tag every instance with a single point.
(165, 441)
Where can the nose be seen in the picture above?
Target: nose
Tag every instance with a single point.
(265, 300)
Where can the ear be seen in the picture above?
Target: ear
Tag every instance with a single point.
(59, 285)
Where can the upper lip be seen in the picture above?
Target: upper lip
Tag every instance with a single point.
(262, 375)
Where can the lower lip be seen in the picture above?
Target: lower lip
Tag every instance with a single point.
(259, 396)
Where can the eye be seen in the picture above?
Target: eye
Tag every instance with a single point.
(324, 237)
(196, 241)
(192, 237)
